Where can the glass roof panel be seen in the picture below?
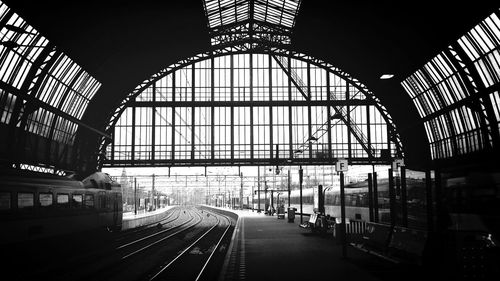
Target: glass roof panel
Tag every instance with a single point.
(56, 81)
(451, 127)
(232, 20)
(224, 12)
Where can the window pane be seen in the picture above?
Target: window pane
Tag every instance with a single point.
(25, 200)
(45, 199)
(62, 198)
(5, 200)
(77, 200)
(89, 200)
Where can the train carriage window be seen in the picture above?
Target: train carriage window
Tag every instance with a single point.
(5, 200)
(102, 197)
(89, 201)
(45, 199)
(25, 200)
(77, 200)
(63, 200)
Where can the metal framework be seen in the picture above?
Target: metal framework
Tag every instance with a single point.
(249, 107)
(43, 95)
(254, 20)
(288, 116)
(457, 93)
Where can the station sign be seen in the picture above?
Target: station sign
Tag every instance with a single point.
(397, 163)
(341, 165)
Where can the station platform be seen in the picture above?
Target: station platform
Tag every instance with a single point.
(131, 220)
(267, 248)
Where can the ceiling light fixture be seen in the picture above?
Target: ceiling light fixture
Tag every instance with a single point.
(386, 76)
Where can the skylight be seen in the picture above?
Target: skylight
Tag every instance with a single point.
(456, 92)
(251, 20)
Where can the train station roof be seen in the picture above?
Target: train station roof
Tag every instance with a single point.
(118, 44)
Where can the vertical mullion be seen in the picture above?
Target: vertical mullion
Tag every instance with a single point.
(231, 89)
(153, 123)
(329, 113)
(192, 111)
(309, 123)
(132, 157)
(348, 118)
(113, 145)
(290, 112)
(251, 108)
(271, 149)
(388, 140)
(212, 99)
(368, 133)
(173, 116)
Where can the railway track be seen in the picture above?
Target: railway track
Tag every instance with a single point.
(191, 262)
(187, 235)
(135, 253)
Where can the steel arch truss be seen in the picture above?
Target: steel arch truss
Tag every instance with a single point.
(457, 93)
(339, 100)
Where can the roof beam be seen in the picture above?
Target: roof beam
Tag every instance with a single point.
(38, 103)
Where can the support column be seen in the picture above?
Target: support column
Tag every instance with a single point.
(301, 176)
(429, 201)
(370, 197)
(289, 189)
(342, 216)
(392, 198)
(441, 212)
(375, 198)
(404, 203)
(258, 189)
(135, 196)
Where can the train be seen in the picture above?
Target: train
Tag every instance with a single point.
(356, 201)
(35, 205)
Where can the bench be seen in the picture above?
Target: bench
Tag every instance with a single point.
(375, 240)
(407, 244)
(395, 244)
